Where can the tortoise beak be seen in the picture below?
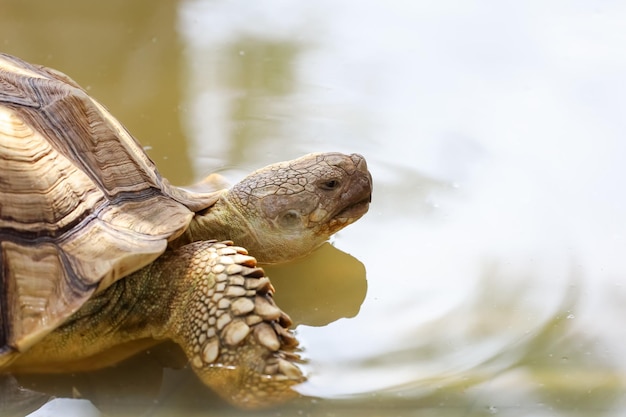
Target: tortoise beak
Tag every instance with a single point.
(361, 167)
(358, 195)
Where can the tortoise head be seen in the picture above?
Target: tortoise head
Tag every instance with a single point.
(290, 208)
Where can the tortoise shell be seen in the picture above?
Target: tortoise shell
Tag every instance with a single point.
(81, 204)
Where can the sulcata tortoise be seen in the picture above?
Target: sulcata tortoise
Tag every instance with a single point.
(101, 256)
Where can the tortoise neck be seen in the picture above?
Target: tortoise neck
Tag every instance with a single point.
(222, 221)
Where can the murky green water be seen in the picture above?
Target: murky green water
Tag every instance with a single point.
(489, 276)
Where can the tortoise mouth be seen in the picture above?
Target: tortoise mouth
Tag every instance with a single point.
(358, 197)
(356, 210)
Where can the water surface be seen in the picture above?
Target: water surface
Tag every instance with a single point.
(488, 277)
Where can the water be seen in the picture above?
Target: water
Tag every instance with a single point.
(488, 277)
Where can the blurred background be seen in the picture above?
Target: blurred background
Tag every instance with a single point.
(487, 278)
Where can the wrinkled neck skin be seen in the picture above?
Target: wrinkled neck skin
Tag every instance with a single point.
(225, 220)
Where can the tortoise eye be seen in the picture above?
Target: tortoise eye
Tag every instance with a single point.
(330, 184)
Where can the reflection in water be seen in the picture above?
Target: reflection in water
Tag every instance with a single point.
(230, 91)
(262, 73)
(16, 400)
(125, 54)
(132, 383)
(324, 287)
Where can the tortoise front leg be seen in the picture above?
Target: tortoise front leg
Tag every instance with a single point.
(229, 326)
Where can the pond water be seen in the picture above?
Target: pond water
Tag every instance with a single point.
(488, 278)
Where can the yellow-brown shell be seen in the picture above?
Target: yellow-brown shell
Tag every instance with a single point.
(81, 204)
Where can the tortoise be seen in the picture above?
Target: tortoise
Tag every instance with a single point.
(101, 256)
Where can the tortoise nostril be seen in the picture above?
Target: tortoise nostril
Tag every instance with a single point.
(336, 160)
(359, 162)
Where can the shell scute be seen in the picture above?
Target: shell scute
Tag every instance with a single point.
(81, 204)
